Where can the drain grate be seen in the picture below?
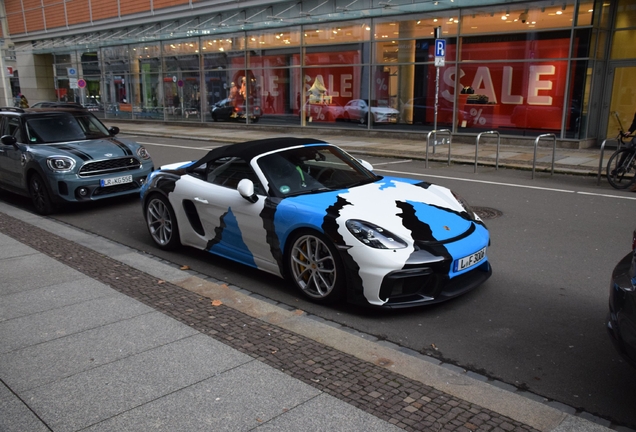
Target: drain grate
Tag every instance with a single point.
(487, 212)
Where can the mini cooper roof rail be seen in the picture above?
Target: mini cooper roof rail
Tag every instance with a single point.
(14, 109)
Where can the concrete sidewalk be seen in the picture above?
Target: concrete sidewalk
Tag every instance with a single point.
(95, 336)
(570, 161)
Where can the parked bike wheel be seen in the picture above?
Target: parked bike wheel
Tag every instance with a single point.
(622, 176)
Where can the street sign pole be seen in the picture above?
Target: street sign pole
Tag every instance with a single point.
(440, 53)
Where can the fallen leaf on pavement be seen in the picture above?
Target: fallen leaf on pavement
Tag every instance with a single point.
(184, 267)
(217, 302)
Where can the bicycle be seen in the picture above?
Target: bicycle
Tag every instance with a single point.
(621, 168)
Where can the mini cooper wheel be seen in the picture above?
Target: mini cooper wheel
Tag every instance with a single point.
(315, 267)
(162, 222)
(40, 195)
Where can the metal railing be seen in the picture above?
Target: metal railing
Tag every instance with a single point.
(600, 161)
(492, 132)
(536, 143)
(436, 132)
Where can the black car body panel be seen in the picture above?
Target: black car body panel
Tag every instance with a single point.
(621, 319)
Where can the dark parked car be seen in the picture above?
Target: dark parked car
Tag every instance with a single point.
(66, 155)
(226, 110)
(621, 320)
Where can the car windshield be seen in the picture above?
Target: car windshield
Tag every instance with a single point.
(64, 126)
(312, 169)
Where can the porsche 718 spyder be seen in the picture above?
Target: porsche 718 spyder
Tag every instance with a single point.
(307, 210)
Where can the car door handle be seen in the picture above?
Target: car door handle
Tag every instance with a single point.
(201, 200)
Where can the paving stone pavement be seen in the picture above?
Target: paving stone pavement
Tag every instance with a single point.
(202, 345)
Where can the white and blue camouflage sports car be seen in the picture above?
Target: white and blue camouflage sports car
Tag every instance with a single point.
(307, 210)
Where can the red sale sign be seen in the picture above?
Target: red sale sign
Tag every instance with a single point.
(513, 94)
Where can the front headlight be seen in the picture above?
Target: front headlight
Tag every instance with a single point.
(143, 153)
(60, 163)
(466, 206)
(374, 236)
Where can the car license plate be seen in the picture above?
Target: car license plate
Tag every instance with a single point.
(115, 181)
(470, 260)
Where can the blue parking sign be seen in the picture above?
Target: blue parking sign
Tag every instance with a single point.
(440, 47)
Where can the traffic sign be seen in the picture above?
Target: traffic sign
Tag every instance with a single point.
(440, 47)
(81, 83)
(440, 52)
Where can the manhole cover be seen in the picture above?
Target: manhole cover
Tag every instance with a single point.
(487, 212)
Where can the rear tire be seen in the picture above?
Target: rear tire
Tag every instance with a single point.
(621, 177)
(162, 222)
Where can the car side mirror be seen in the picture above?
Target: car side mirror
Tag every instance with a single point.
(113, 130)
(246, 189)
(366, 164)
(9, 140)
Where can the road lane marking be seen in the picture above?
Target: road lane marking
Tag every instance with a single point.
(510, 185)
(393, 163)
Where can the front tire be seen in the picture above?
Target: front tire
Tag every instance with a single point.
(40, 195)
(621, 177)
(162, 222)
(315, 267)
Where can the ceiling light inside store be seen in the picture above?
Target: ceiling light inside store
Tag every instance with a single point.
(559, 12)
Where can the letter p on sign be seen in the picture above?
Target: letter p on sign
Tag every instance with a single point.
(440, 52)
(440, 47)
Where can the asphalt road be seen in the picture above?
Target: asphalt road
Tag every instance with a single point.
(538, 323)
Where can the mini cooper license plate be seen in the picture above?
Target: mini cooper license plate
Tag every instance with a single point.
(470, 260)
(115, 181)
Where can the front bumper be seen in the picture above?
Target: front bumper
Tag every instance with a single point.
(429, 287)
(72, 188)
(384, 278)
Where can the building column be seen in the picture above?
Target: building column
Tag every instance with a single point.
(37, 80)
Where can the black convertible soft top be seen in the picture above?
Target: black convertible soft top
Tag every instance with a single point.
(249, 149)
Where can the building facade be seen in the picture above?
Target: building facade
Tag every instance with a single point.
(522, 69)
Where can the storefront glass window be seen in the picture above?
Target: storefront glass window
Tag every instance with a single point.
(116, 95)
(625, 14)
(223, 44)
(219, 54)
(332, 78)
(181, 80)
(280, 38)
(585, 14)
(623, 43)
(181, 47)
(515, 18)
(276, 83)
(337, 33)
(145, 70)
